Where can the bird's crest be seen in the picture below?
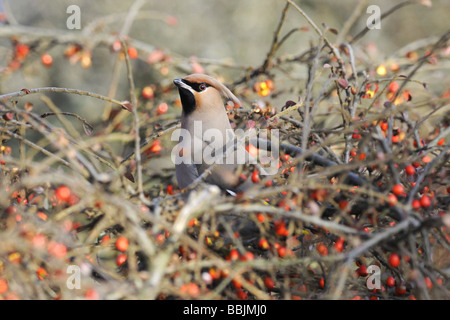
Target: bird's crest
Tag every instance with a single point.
(199, 78)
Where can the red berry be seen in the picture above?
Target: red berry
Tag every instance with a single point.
(410, 170)
(394, 260)
(428, 283)
(121, 259)
(322, 283)
(425, 201)
(343, 204)
(242, 295)
(400, 290)
(356, 135)
(392, 199)
(398, 190)
(21, 51)
(280, 228)
(415, 204)
(282, 251)
(390, 281)
(269, 283)
(339, 245)
(234, 254)
(255, 176)
(362, 270)
(122, 244)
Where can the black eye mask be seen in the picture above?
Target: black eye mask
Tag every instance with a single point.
(196, 86)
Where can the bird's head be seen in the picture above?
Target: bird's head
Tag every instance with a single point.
(202, 93)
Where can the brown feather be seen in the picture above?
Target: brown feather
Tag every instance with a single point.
(199, 78)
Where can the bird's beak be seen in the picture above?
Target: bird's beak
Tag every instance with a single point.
(181, 85)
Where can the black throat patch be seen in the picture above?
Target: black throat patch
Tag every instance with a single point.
(187, 100)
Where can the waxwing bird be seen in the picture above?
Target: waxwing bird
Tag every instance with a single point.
(205, 133)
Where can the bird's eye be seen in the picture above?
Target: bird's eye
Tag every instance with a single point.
(202, 86)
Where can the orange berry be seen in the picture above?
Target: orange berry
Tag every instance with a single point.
(393, 87)
(122, 244)
(395, 139)
(426, 159)
(383, 125)
(322, 249)
(132, 52)
(282, 251)
(41, 273)
(57, 249)
(63, 193)
(148, 93)
(21, 51)
(162, 108)
(46, 60)
(280, 228)
(91, 294)
(193, 289)
(260, 217)
(263, 243)
(3, 285)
